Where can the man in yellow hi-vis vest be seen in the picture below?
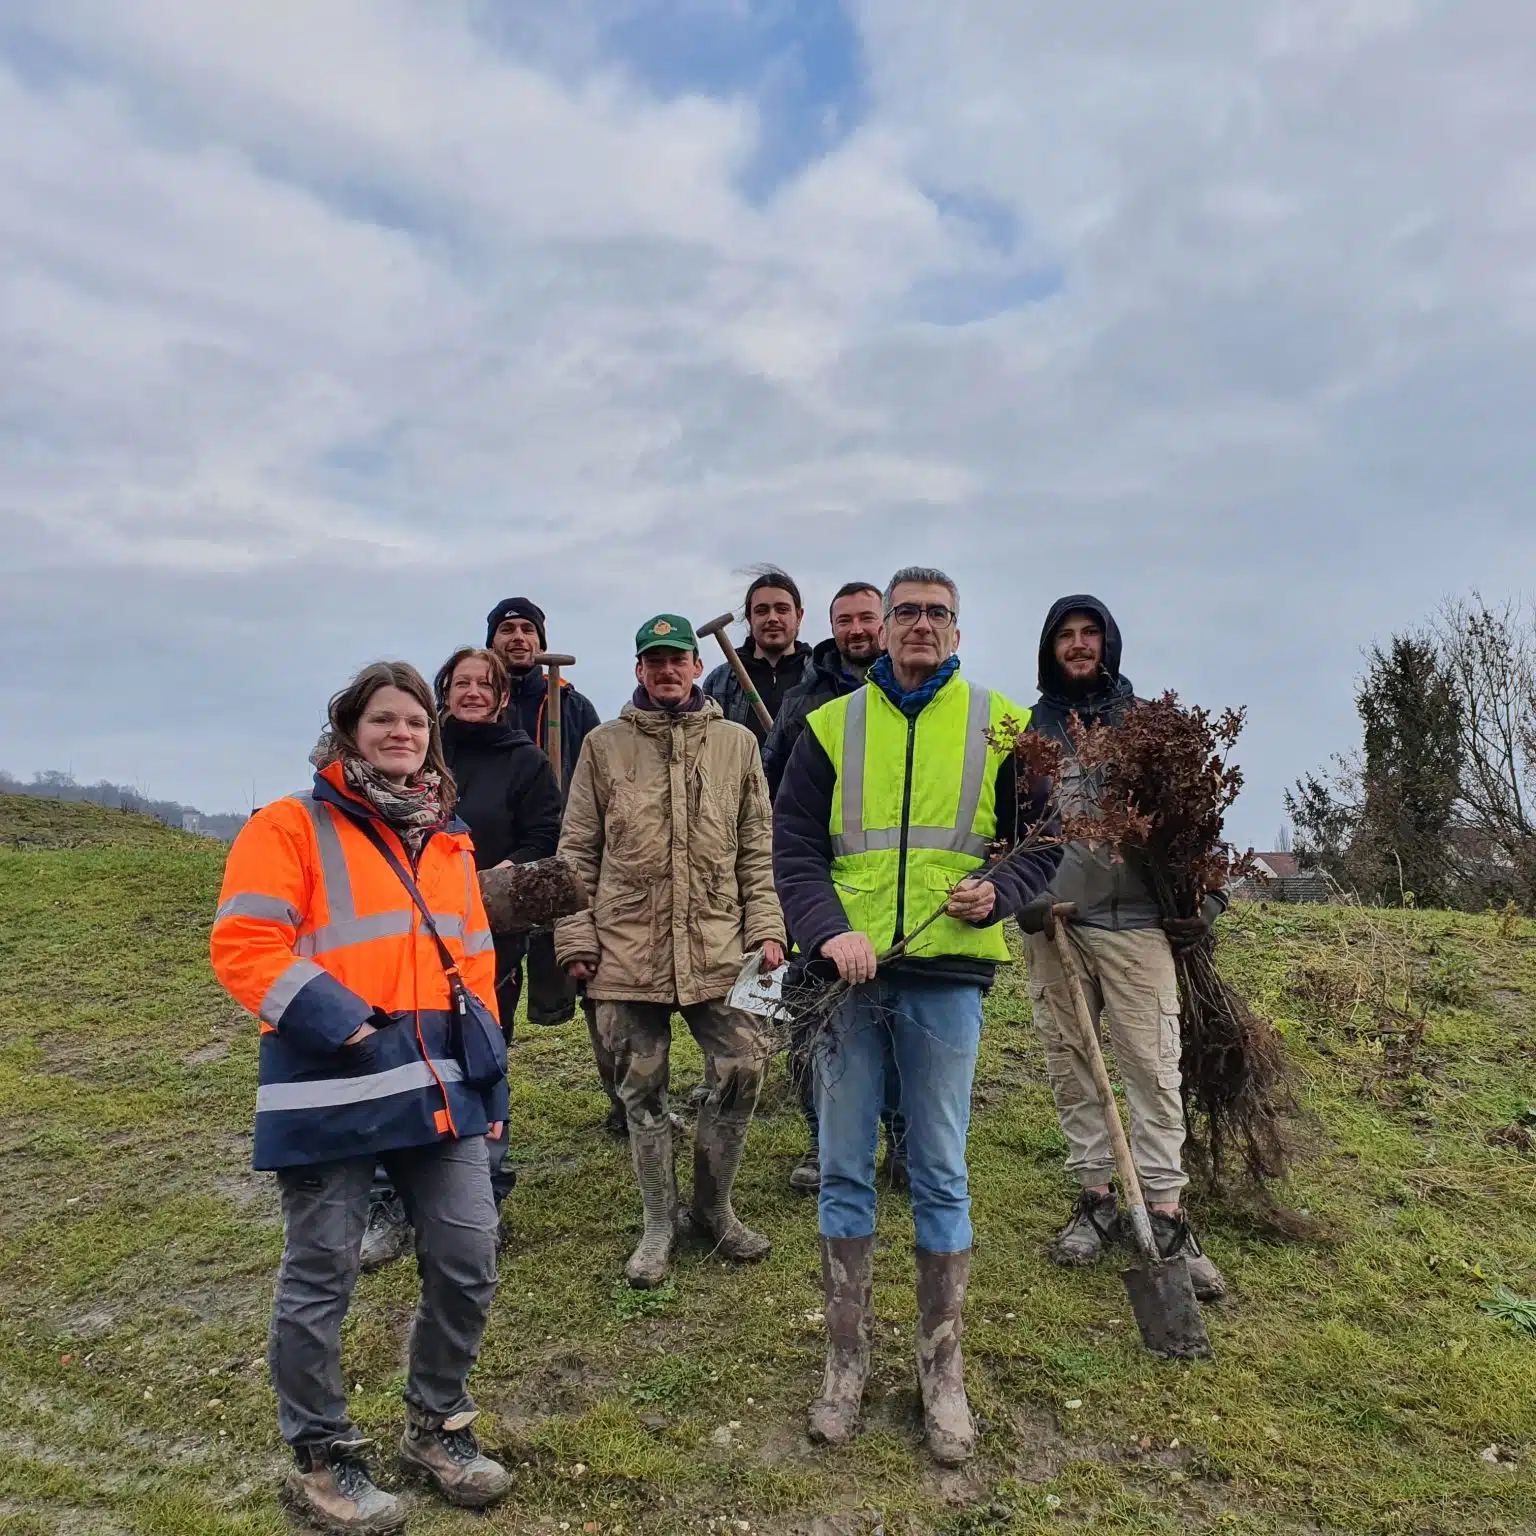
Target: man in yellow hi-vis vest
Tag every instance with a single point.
(890, 803)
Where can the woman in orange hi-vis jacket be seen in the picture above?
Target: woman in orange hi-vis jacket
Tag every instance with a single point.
(319, 935)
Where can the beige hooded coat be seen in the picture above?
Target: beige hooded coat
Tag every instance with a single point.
(669, 824)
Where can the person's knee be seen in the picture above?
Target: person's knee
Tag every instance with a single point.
(737, 1080)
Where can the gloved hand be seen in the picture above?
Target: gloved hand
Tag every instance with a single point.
(1039, 915)
(1186, 932)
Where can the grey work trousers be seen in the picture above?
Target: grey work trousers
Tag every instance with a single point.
(639, 1037)
(1130, 984)
(446, 1189)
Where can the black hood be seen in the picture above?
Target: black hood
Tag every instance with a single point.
(483, 735)
(1052, 684)
(828, 660)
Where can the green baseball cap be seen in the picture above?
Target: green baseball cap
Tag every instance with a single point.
(669, 630)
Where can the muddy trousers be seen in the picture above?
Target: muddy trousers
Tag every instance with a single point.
(446, 1189)
(1133, 995)
(639, 1038)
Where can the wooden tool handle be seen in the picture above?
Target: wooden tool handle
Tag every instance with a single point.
(754, 698)
(552, 704)
(1130, 1184)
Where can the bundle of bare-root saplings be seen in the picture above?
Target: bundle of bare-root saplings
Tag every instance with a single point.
(1171, 765)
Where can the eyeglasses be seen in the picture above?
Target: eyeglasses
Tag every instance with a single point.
(907, 614)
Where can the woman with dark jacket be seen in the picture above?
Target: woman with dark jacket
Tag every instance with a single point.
(317, 933)
(508, 797)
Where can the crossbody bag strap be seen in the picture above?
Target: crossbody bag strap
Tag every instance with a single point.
(371, 832)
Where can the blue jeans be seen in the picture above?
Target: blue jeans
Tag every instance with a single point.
(925, 1034)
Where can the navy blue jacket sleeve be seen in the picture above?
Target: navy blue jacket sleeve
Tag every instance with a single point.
(802, 847)
(1022, 879)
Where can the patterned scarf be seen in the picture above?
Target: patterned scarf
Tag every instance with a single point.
(883, 676)
(413, 810)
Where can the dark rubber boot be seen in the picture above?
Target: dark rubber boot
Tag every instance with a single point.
(847, 1282)
(651, 1262)
(941, 1285)
(719, 1140)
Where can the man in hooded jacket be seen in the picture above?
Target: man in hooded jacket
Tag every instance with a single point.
(516, 630)
(1122, 948)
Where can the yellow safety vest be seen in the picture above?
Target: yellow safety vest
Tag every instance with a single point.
(913, 811)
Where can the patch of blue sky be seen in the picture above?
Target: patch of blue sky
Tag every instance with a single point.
(968, 298)
(799, 62)
(992, 221)
(35, 59)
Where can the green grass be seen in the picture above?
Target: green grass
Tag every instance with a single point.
(1359, 1378)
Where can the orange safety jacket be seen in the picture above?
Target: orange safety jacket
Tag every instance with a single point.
(316, 934)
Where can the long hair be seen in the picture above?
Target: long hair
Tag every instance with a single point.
(339, 739)
(500, 680)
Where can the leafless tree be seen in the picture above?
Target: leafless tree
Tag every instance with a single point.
(1489, 653)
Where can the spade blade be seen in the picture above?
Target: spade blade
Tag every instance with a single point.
(1163, 1299)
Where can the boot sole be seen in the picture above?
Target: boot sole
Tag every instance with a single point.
(300, 1506)
(420, 1474)
(1071, 1261)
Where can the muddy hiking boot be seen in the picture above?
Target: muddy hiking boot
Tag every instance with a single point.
(446, 1453)
(650, 1149)
(805, 1176)
(941, 1284)
(1174, 1236)
(1092, 1227)
(719, 1140)
(329, 1486)
(388, 1235)
(847, 1281)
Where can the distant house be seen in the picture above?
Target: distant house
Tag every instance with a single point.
(1279, 877)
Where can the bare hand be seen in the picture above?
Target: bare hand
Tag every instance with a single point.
(581, 970)
(853, 955)
(360, 1034)
(972, 901)
(497, 1127)
(773, 956)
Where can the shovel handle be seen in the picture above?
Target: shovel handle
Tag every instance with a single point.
(1141, 1223)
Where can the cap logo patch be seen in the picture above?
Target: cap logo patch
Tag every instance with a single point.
(661, 627)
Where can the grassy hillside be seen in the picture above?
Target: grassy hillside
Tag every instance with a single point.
(1358, 1386)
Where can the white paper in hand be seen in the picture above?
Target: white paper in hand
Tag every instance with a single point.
(758, 991)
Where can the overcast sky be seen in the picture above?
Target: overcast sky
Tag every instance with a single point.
(324, 324)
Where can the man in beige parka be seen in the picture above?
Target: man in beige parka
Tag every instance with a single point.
(669, 823)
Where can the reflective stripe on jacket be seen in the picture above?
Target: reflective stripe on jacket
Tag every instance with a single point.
(913, 811)
(313, 933)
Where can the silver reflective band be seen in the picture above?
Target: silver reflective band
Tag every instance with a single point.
(354, 930)
(929, 839)
(270, 909)
(377, 925)
(478, 943)
(331, 1092)
(960, 838)
(333, 860)
(285, 989)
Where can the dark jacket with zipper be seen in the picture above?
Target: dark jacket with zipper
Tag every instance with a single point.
(802, 861)
(1108, 893)
(528, 708)
(772, 682)
(826, 679)
(507, 791)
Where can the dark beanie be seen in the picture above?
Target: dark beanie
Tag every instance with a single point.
(523, 608)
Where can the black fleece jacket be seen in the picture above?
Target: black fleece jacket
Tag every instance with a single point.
(802, 862)
(507, 791)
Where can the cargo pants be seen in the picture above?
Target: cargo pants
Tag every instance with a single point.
(446, 1190)
(1131, 987)
(639, 1038)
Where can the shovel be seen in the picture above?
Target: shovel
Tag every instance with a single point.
(1162, 1296)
